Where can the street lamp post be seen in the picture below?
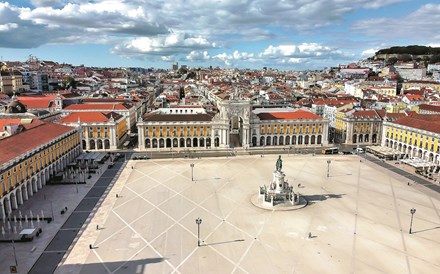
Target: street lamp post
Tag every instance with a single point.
(198, 222)
(192, 171)
(328, 168)
(51, 209)
(412, 211)
(15, 254)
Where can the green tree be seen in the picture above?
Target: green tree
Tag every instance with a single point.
(69, 82)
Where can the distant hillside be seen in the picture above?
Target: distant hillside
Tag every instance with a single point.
(410, 53)
(413, 50)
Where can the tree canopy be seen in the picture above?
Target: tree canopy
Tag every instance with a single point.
(413, 50)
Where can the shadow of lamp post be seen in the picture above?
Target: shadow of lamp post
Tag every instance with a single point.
(328, 168)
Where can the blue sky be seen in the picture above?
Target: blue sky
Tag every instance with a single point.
(284, 34)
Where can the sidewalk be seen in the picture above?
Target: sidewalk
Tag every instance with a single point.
(48, 201)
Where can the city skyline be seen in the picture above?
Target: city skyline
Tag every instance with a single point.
(239, 34)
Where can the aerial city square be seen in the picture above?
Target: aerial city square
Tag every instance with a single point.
(219, 136)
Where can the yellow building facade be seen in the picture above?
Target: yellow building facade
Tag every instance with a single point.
(100, 130)
(414, 136)
(234, 126)
(363, 127)
(25, 168)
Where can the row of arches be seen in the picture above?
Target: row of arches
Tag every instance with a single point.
(364, 138)
(181, 142)
(36, 181)
(287, 140)
(413, 151)
(95, 144)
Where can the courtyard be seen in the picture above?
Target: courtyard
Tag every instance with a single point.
(358, 218)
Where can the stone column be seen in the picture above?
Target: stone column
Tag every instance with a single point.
(2, 211)
(24, 192)
(30, 189)
(141, 137)
(39, 184)
(14, 201)
(19, 197)
(7, 206)
(87, 139)
(34, 187)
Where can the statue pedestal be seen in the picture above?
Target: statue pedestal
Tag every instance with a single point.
(278, 184)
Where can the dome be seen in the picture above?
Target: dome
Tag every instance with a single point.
(15, 107)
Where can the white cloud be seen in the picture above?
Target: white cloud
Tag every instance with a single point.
(380, 3)
(304, 50)
(198, 56)
(172, 30)
(8, 26)
(162, 45)
(109, 16)
(369, 52)
(421, 25)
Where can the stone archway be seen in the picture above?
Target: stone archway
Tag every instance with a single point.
(235, 131)
(92, 144)
(99, 144)
(106, 144)
(233, 122)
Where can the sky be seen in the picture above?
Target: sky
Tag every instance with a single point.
(282, 34)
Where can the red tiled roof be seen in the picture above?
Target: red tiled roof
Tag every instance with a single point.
(5, 122)
(29, 139)
(37, 101)
(198, 117)
(89, 117)
(429, 107)
(413, 97)
(428, 122)
(295, 115)
(99, 106)
(366, 114)
(187, 106)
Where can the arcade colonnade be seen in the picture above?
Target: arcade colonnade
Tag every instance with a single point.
(48, 162)
(235, 125)
(413, 138)
(412, 151)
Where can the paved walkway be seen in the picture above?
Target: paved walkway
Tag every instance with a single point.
(77, 198)
(358, 218)
(406, 171)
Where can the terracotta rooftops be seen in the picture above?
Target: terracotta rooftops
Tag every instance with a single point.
(99, 106)
(90, 117)
(429, 107)
(295, 115)
(428, 122)
(29, 139)
(157, 117)
(5, 122)
(366, 114)
(186, 106)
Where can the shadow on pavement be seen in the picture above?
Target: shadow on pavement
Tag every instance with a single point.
(321, 197)
(128, 267)
(225, 242)
(428, 229)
